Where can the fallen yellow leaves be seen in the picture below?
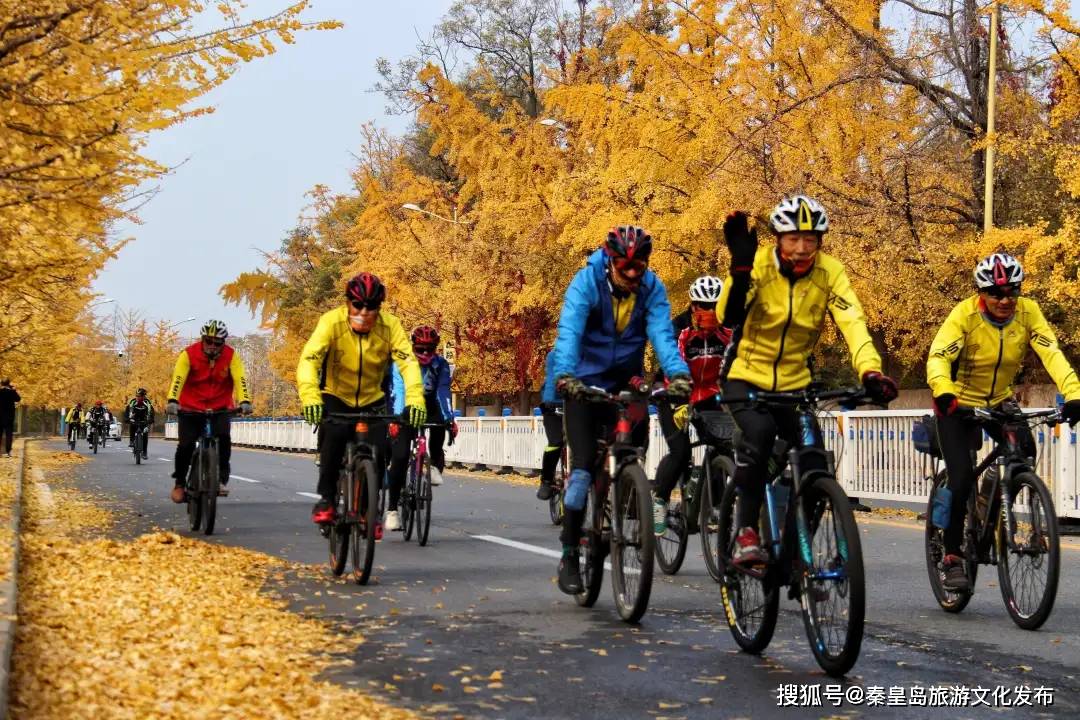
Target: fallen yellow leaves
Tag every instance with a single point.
(165, 627)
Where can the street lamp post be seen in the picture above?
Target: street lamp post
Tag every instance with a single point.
(991, 103)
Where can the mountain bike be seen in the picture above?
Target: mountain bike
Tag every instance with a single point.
(73, 435)
(139, 439)
(618, 515)
(204, 474)
(1010, 522)
(356, 508)
(414, 503)
(812, 542)
(693, 507)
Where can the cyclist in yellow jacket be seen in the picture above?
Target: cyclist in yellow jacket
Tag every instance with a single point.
(341, 370)
(777, 298)
(972, 362)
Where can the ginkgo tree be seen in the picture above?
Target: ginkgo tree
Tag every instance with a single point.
(83, 85)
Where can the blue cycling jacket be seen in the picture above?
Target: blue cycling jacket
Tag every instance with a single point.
(587, 345)
(436, 377)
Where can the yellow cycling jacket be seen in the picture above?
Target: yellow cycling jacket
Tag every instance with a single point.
(350, 366)
(784, 319)
(976, 360)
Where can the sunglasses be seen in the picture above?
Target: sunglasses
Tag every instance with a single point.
(418, 349)
(1003, 291)
(213, 342)
(365, 305)
(705, 305)
(628, 265)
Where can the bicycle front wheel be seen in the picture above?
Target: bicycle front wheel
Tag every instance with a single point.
(363, 532)
(1029, 562)
(423, 506)
(555, 502)
(833, 590)
(671, 546)
(934, 542)
(93, 441)
(632, 543)
(751, 603)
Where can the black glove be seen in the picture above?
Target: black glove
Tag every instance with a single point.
(945, 405)
(570, 387)
(680, 385)
(1070, 413)
(741, 242)
(879, 388)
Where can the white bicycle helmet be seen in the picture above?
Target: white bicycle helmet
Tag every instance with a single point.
(706, 289)
(214, 329)
(799, 213)
(998, 269)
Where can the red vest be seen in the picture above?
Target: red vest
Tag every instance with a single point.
(209, 384)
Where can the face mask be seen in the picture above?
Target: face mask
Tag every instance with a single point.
(796, 269)
(425, 358)
(705, 319)
(358, 324)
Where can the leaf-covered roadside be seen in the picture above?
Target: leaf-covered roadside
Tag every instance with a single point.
(162, 626)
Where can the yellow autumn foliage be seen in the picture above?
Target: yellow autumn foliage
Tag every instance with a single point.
(671, 126)
(83, 83)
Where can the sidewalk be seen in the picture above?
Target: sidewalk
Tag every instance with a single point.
(11, 476)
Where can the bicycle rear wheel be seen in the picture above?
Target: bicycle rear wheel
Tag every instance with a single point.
(423, 505)
(833, 588)
(934, 543)
(1029, 565)
(363, 532)
(194, 490)
(632, 543)
(751, 604)
(555, 502)
(407, 504)
(339, 529)
(714, 478)
(592, 550)
(671, 546)
(210, 489)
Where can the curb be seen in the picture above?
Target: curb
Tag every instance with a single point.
(9, 591)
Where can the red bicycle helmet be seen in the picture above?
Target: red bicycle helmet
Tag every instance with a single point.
(628, 242)
(365, 289)
(425, 335)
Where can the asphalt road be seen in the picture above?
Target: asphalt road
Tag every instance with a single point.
(481, 601)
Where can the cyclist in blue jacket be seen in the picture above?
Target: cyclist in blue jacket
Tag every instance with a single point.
(435, 372)
(551, 413)
(612, 306)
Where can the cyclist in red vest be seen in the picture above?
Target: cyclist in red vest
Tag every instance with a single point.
(208, 376)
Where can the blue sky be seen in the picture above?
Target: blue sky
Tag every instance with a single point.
(282, 125)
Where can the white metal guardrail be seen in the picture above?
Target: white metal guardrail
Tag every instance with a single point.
(875, 457)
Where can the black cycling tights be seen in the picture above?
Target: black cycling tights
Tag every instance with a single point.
(583, 423)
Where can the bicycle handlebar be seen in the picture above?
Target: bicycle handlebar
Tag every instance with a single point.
(1049, 417)
(208, 413)
(355, 416)
(809, 395)
(624, 397)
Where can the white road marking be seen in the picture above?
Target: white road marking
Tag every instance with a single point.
(48, 503)
(310, 495)
(238, 477)
(547, 552)
(164, 459)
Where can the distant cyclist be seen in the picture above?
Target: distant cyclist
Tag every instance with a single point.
(972, 361)
(75, 418)
(435, 371)
(97, 419)
(139, 411)
(342, 369)
(702, 345)
(612, 306)
(209, 375)
(778, 297)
